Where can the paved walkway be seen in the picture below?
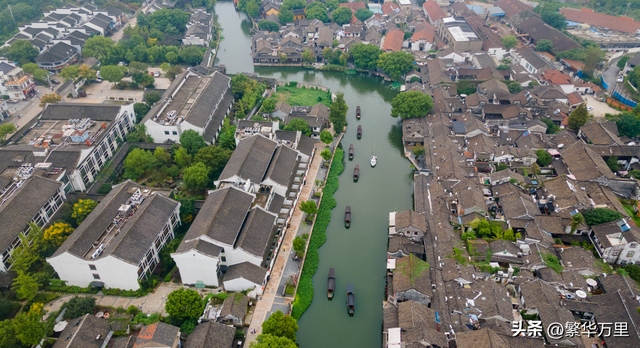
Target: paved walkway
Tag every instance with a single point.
(271, 299)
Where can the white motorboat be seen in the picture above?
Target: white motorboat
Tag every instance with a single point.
(374, 161)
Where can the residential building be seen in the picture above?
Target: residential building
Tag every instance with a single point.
(460, 36)
(531, 61)
(210, 335)
(159, 335)
(195, 102)
(198, 29)
(234, 309)
(119, 243)
(534, 29)
(14, 82)
(29, 198)
(411, 281)
(393, 41)
(73, 142)
(588, 16)
(57, 57)
(410, 224)
(432, 11)
(617, 241)
(86, 331)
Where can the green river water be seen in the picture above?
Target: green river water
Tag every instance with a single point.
(358, 253)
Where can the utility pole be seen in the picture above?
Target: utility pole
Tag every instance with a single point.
(628, 4)
(14, 20)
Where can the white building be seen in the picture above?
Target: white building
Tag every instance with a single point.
(198, 29)
(26, 199)
(14, 82)
(119, 243)
(195, 102)
(617, 242)
(72, 142)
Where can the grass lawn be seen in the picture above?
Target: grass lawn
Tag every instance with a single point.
(629, 209)
(303, 96)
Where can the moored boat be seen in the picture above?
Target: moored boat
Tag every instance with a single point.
(358, 112)
(347, 216)
(351, 152)
(359, 132)
(356, 172)
(351, 299)
(374, 161)
(331, 283)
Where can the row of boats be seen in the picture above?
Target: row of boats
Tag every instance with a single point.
(351, 294)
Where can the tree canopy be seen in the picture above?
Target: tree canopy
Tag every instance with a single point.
(112, 73)
(268, 105)
(184, 304)
(338, 113)
(363, 14)
(396, 64)
(510, 41)
(22, 51)
(196, 177)
(280, 325)
(326, 137)
(514, 87)
(411, 104)
(544, 45)
(552, 18)
(57, 233)
(272, 341)
(137, 163)
(544, 158)
(268, 25)
(214, 158)
(298, 124)
(365, 55)
(192, 141)
(79, 306)
(578, 117)
(317, 10)
(342, 15)
(285, 16)
(628, 124)
(599, 216)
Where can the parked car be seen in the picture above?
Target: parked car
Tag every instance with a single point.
(55, 82)
(620, 78)
(589, 108)
(156, 74)
(82, 93)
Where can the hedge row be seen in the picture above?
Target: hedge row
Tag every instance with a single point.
(304, 294)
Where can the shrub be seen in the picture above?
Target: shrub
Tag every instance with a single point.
(79, 306)
(133, 310)
(304, 296)
(104, 188)
(599, 216)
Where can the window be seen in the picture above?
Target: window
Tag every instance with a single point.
(175, 133)
(615, 252)
(92, 267)
(630, 254)
(223, 259)
(166, 132)
(633, 245)
(96, 276)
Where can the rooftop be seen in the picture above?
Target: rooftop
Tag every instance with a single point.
(460, 29)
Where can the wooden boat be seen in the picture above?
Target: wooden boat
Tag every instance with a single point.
(347, 216)
(358, 112)
(374, 161)
(351, 152)
(351, 299)
(331, 283)
(356, 172)
(359, 132)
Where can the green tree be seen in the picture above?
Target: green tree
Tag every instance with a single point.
(418, 150)
(174, 70)
(70, 72)
(411, 104)
(25, 286)
(285, 16)
(82, 209)
(299, 244)
(365, 56)
(544, 45)
(29, 328)
(514, 87)
(98, 47)
(317, 10)
(576, 220)
(510, 41)
(184, 304)
(139, 135)
(298, 124)
(544, 158)
(599, 216)
(171, 57)
(501, 166)
(162, 156)
(272, 341)
(140, 110)
(6, 129)
(326, 154)
(25, 254)
(338, 113)
(22, 51)
(628, 124)
(252, 9)
(552, 128)
(268, 105)
(326, 137)
(332, 4)
(593, 55)
(191, 55)
(612, 163)
(293, 4)
(137, 163)
(621, 63)
(309, 207)
(192, 141)
(86, 72)
(533, 84)
(111, 73)
(342, 15)
(151, 98)
(363, 14)
(50, 98)
(196, 177)
(578, 117)
(308, 56)
(344, 57)
(327, 54)
(215, 158)
(79, 306)
(5, 310)
(268, 25)
(182, 158)
(7, 334)
(30, 68)
(555, 20)
(281, 326)
(396, 64)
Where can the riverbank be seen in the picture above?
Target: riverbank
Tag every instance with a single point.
(304, 292)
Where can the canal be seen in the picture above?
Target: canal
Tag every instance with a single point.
(357, 253)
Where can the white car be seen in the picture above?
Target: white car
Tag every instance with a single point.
(156, 74)
(620, 79)
(589, 108)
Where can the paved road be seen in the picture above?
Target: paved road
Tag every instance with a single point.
(611, 74)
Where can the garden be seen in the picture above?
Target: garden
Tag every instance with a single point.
(301, 96)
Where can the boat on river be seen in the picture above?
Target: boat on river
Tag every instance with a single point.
(351, 152)
(359, 132)
(356, 172)
(351, 299)
(374, 161)
(347, 216)
(358, 112)
(331, 283)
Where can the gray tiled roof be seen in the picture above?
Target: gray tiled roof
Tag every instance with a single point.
(6, 67)
(218, 116)
(250, 159)
(200, 111)
(82, 332)
(246, 270)
(211, 335)
(56, 53)
(96, 112)
(22, 206)
(157, 335)
(256, 232)
(235, 306)
(283, 165)
(221, 216)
